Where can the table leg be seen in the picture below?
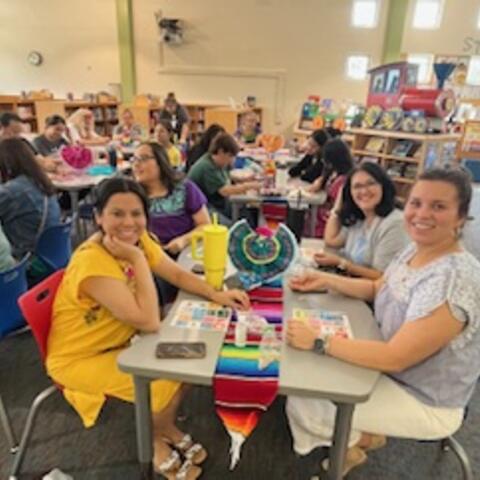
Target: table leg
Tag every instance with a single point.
(74, 201)
(313, 220)
(143, 420)
(343, 421)
(235, 211)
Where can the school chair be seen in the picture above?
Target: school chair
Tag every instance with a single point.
(7, 428)
(54, 246)
(36, 306)
(450, 443)
(13, 283)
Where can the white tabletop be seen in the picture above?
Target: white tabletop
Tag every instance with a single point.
(301, 373)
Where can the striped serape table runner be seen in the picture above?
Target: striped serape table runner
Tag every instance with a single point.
(242, 390)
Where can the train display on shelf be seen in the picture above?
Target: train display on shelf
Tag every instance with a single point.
(396, 102)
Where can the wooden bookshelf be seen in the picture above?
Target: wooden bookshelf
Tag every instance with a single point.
(32, 112)
(201, 115)
(105, 114)
(421, 151)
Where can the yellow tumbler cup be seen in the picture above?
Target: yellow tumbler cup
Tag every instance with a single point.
(215, 240)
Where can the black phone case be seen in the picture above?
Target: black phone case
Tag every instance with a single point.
(180, 350)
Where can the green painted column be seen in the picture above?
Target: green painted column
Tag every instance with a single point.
(126, 49)
(396, 17)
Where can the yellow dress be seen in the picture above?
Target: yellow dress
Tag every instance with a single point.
(174, 156)
(85, 339)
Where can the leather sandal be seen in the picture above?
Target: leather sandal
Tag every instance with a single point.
(191, 450)
(354, 458)
(188, 471)
(374, 442)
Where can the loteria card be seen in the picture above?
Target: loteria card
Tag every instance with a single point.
(202, 316)
(326, 321)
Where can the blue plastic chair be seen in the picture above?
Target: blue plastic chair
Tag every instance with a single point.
(54, 247)
(13, 283)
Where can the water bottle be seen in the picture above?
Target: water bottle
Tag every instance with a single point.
(281, 176)
(241, 331)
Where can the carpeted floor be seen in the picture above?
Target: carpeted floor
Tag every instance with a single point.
(108, 451)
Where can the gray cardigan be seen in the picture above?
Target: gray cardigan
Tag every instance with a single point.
(385, 238)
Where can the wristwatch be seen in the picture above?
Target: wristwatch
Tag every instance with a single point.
(320, 345)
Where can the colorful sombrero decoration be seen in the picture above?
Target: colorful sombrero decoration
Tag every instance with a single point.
(260, 255)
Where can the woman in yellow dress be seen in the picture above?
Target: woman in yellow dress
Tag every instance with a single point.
(106, 296)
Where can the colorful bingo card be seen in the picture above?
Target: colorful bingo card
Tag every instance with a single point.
(326, 321)
(202, 316)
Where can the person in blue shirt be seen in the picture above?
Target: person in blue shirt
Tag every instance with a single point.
(28, 203)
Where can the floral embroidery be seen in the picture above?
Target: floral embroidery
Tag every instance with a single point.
(91, 315)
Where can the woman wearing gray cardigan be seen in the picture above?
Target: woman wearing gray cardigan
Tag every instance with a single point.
(364, 224)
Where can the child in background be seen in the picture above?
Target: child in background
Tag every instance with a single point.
(163, 134)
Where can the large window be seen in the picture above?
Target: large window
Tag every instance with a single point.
(365, 13)
(473, 74)
(424, 62)
(427, 14)
(357, 67)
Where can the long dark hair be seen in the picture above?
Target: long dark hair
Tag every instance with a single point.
(337, 158)
(201, 147)
(168, 176)
(167, 125)
(350, 213)
(111, 186)
(16, 159)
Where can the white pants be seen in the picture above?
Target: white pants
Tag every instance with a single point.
(390, 411)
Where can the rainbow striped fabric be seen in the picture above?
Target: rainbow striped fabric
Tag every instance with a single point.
(242, 391)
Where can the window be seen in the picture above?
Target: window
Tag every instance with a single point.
(427, 14)
(424, 62)
(365, 13)
(473, 74)
(357, 67)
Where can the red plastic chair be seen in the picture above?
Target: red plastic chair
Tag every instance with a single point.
(36, 306)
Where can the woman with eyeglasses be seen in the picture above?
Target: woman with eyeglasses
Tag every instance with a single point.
(427, 307)
(364, 224)
(176, 208)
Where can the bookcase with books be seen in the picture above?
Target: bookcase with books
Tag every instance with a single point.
(105, 114)
(404, 155)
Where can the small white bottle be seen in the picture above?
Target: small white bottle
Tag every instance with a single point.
(241, 330)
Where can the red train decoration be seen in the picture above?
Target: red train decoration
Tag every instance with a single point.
(395, 102)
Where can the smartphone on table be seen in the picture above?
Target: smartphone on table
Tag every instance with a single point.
(181, 350)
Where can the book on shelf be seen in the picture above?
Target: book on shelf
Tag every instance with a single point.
(403, 148)
(375, 144)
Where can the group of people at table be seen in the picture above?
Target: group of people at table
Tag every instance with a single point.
(409, 265)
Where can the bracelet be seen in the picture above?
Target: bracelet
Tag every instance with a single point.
(343, 265)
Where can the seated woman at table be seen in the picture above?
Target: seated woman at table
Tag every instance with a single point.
(248, 130)
(201, 147)
(310, 167)
(163, 134)
(338, 162)
(427, 306)
(6, 259)
(53, 137)
(28, 203)
(127, 131)
(365, 224)
(81, 129)
(177, 208)
(107, 295)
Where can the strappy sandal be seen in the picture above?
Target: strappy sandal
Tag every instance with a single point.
(191, 450)
(188, 471)
(169, 466)
(354, 458)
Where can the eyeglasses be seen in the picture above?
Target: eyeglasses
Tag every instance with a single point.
(356, 187)
(142, 159)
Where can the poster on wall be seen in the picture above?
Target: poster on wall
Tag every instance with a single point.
(458, 78)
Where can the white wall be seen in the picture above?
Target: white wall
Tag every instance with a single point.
(459, 21)
(278, 50)
(77, 38)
